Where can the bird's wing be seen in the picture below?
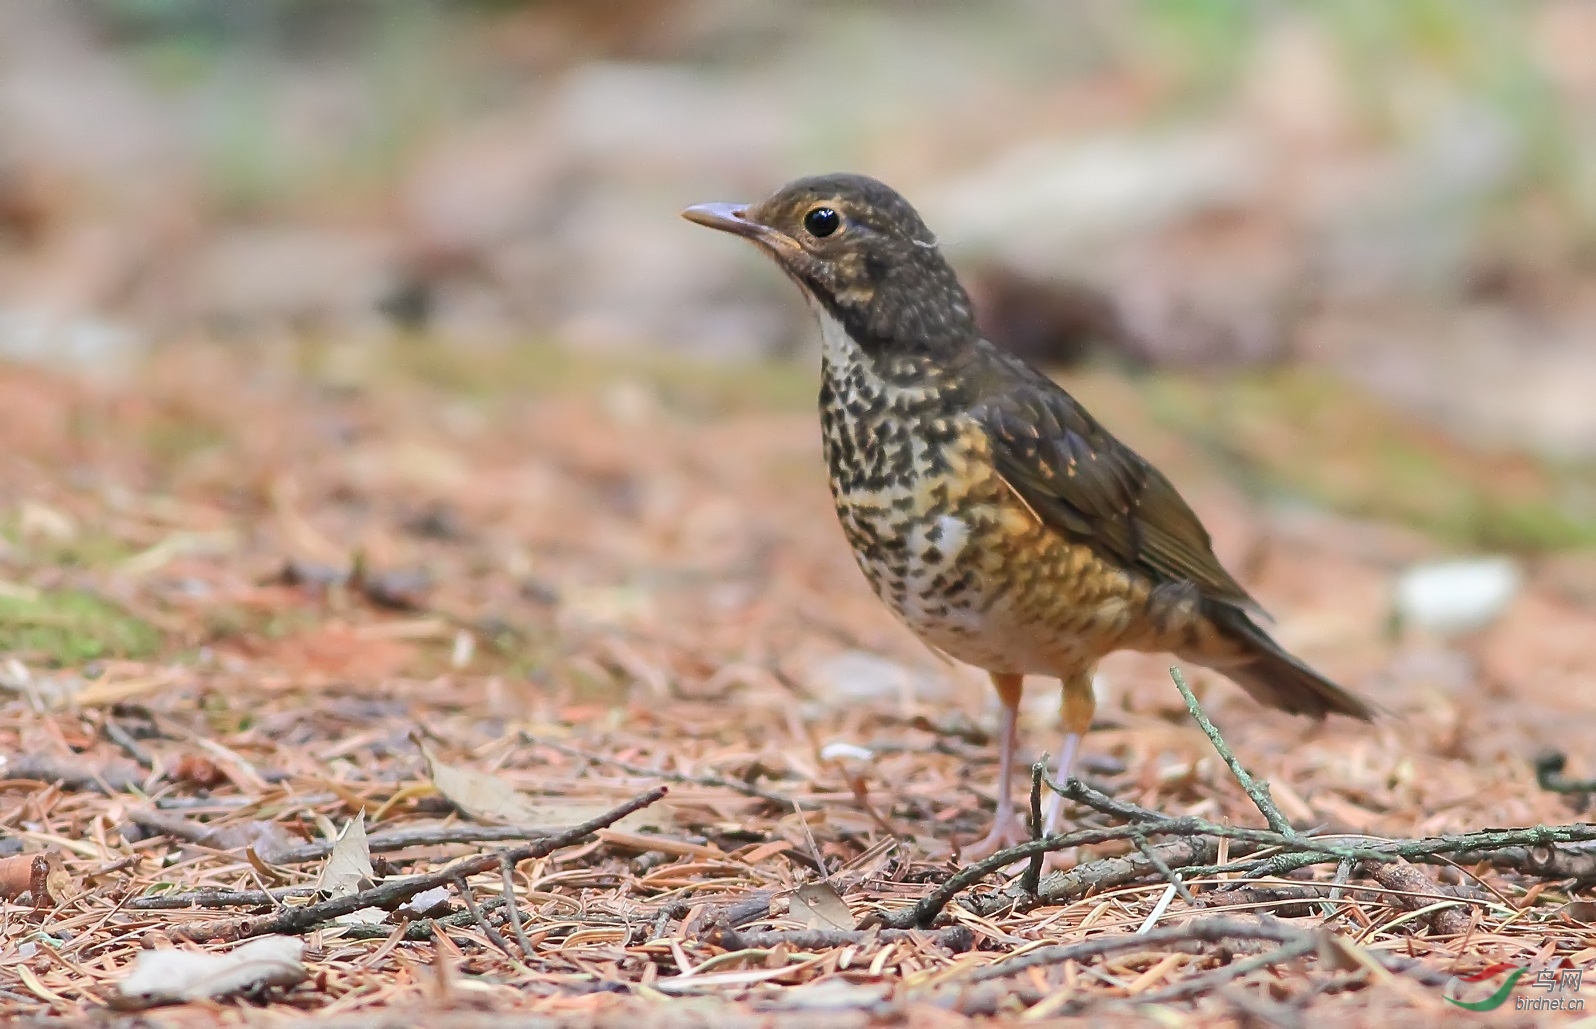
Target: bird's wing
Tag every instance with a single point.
(1086, 484)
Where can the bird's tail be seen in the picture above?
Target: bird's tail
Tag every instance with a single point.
(1271, 675)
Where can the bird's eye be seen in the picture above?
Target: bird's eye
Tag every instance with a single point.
(821, 222)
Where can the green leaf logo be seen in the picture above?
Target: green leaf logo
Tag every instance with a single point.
(1496, 999)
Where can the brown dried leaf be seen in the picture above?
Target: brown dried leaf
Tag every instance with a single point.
(478, 796)
(819, 906)
(1580, 911)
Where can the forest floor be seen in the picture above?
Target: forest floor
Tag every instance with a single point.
(252, 600)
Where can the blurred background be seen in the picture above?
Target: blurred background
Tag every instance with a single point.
(1376, 217)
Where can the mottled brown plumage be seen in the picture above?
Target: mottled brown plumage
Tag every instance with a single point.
(986, 507)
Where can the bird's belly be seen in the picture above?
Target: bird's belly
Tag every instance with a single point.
(978, 580)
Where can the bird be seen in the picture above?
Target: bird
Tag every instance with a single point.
(996, 517)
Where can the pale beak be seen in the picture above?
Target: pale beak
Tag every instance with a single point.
(731, 218)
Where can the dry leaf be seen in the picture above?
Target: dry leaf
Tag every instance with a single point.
(479, 796)
(59, 886)
(1580, 911)
(348, 871)
(489, 799)
(174, 976)
(433, 903)
(819, 906)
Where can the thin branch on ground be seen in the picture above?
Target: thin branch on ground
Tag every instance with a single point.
(1549, 775)
(512, 908)
(73, 777)
(1211, 930)
(1033, 871)
(1154, 859)
(122, 738)
(1198, 985)
(1083, 793)
(955, 939)
(218, 899)
(479, 919)
(1257, 789)
(418, 836)
(396, 891)
(1093, 877)
(1304, 851)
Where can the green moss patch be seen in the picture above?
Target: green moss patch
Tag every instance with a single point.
(68, 627)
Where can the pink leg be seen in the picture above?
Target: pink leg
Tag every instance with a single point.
(1080, 703)
(1007, 829)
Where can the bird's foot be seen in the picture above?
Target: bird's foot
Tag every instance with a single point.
(1006, 832)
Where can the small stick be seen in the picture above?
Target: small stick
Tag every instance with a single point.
(124, 739)
(1099, 875)
(513, 909)
(1257, 789)
(217, 899)
(396, 891)
(419, 836)
(1154, 859)
(1211, 930)
(955, 938)
(418, 931)
(1076, 790)
(1549, 775)
(1333, 898)
(1033, 872)
(1304, 851)
(477, 917)
(1200, 984)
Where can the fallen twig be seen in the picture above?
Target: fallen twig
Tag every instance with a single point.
(1257, 789)
(1157, 861)
(1211, 930)
(218, 899)
(479, 919)
(1033, 871)
(1549, 775)
(1198, 985)
(955, 939)
(512, 908)
(418, 836)
(396, 891)
(74, 777)
(1082, 793)
(1405, 880)
(1304, 851)
(1094, 876)
(122, 738)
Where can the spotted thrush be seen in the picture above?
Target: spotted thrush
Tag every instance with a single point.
(987, 508)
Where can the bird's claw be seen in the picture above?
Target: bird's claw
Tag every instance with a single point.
(1006, 832)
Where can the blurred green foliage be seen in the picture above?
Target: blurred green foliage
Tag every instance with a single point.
(66, 627)
(1474, 50)
(1306, 434)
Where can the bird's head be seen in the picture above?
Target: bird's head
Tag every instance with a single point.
(862, 255)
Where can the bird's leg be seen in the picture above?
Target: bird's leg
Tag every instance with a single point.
(1006, 828)
(1080, 703)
